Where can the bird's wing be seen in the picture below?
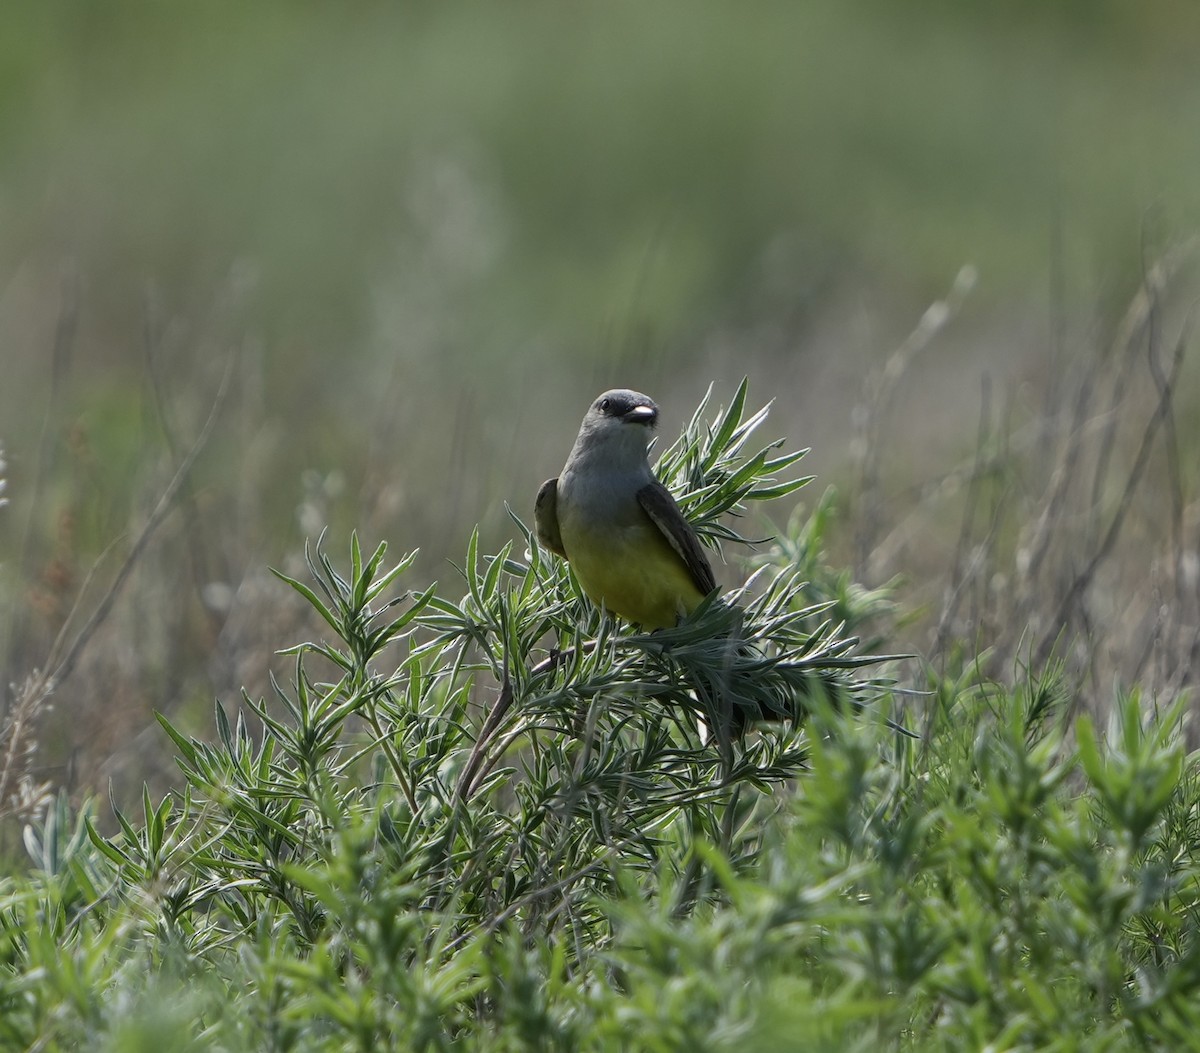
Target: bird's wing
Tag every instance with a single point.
(660, 506)
(545, 518)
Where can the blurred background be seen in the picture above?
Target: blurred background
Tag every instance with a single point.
(421, 237)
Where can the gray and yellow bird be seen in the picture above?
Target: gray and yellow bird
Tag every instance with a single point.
(632, 551)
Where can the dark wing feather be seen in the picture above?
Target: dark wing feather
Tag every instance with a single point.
(545, 518)
(660, 506)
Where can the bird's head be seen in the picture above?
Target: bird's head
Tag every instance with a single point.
(621, 421)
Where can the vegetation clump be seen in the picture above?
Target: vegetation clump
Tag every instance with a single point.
(503, 821)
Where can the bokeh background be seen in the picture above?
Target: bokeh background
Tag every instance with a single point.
(422, 236)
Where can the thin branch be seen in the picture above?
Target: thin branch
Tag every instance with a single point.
(879, 390)
(63, 668)
(65, 329)
(1084, 578)
(491, 725)
(962, 576)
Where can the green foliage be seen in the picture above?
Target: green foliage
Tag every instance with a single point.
(504, 822)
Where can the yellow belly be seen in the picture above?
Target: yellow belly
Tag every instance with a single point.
(633, 572)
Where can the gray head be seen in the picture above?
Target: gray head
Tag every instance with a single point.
(618, 426)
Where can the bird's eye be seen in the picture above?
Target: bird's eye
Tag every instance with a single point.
(605, 404)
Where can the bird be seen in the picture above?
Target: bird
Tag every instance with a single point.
(633, 552)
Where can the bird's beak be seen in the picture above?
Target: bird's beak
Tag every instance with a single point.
(641, 415)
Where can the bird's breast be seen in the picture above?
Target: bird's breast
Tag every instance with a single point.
(620, 557)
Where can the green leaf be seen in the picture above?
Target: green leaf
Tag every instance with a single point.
(311, 597)
(104, 845)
